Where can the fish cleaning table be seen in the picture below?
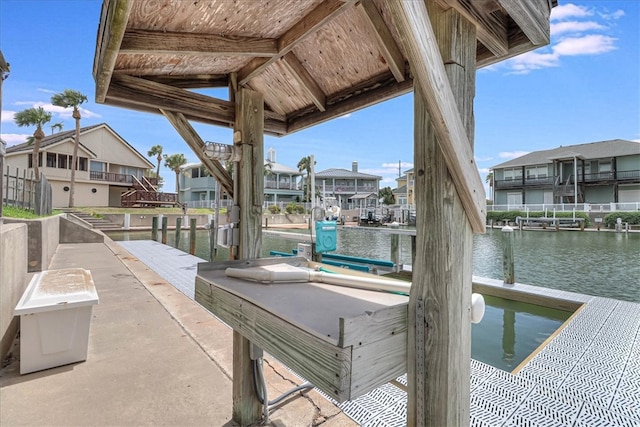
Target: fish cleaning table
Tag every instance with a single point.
(345, 341)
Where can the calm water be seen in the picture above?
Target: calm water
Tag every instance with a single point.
(594, 263)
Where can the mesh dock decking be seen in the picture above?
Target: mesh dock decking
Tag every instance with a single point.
(589, 374)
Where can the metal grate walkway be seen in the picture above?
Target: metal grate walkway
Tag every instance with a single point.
(588, 375)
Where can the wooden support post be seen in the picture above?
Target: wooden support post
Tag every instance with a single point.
(212, 240)
(395, 251)
(164, 230)
(439, 326)
(250, 127)
(507, 257)
(154, 228)
(192, 236)
(178, 230)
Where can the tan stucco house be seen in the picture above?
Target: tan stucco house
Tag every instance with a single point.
(107, 165)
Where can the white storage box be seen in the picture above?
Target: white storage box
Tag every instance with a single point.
(55, 314)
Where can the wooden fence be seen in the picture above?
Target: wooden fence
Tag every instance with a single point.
(23, 191)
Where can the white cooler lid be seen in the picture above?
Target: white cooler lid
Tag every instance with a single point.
(56, 290)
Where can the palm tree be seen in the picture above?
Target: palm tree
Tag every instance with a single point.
(174, 162)
(304, 165)
(489, 180)
(387, 196)
(34, 117)
(156, 150)
(57, 126)
(71, 99)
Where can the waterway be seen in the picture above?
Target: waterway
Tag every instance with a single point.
(603, 264)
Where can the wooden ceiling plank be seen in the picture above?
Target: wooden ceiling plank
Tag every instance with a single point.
(364, 99)
(173, 43)
(193, 140)
(195, 81)
(414, 27)
(491, 31)
(115, 14)
(306, 80)
(383, 37)
(532, 17)
(323, 13)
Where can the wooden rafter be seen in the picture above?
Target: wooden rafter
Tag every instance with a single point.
(532, 17)
(193, 140)
(115, 15)
(324, 12)
(491, 27)
(305, 80)
(412, 21)
(382, 35)
(192, 81)
(152, 96)
(163, 42)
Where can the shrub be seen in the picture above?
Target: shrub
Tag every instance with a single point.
(633, 218)
(274, 209)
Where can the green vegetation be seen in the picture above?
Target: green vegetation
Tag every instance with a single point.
(274, 209)
(511, 216)
(14, 212)
(34, 117)
(293, 208)
(633, 218)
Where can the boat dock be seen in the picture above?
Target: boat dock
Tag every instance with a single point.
(587, 374)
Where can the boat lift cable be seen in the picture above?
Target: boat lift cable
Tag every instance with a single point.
(260, 387)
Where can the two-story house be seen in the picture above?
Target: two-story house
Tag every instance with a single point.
(352, 189)
(281, 184)
(404, 191)
(595, 173)
(107, 165)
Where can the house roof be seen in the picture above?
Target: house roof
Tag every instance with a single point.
(344, 173)
(280, 168)
(69, 135)
(363, 196)
(312, 60)
(53, 139)
(592, 150)
(400, 190)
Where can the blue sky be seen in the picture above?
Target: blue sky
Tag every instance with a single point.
(583, 87)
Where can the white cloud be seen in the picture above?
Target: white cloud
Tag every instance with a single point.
(569, 10)
(14, 138)
(484, 170)
(588, 45)
(45, 90)
(7, 115)
(512, 154)
(575, 27)
(63, 113)
(346, 116)
(613, 15)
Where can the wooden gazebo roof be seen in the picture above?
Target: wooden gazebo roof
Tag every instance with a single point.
(312, 60)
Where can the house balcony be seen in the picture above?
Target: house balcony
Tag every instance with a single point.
(274, 185)
(110, 177)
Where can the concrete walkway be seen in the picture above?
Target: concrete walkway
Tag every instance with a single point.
(155, 358)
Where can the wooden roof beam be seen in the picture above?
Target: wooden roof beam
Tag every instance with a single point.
(382, 35)
(491, 30)
(306, 80)
(323, 13)
(153, 96)
(112, 27)
(193, 140)
(173, 43)
(412, 22)
(194, 81)
(532, 17)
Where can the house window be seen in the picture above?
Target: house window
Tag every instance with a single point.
(30, 160)
(51, 160)
(513, 173)
(539, 171)
(82, 163)
(62, 161)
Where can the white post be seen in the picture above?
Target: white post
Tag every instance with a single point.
(575, 181)
(127, 221)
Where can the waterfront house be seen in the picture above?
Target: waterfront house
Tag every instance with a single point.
(281, 184)
(352, 189)
(107, 165)
(404, 189)
(599, 173)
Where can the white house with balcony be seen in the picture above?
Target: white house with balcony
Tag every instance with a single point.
(352, 189)
(107, 165)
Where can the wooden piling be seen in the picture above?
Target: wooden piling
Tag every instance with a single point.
(507, 258)
(178, 230)
(395, 252)
(212, 240)
(192, 236)
(154, 228)
(164, 230)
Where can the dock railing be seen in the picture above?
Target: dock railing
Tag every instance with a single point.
(568, 207)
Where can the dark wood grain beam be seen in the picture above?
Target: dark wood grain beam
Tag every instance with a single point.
(115, 14)
(195, 81)
(491, 27)
(532, 17)
(323, 13)
(193, 140)
(382, 35)
(306, 80)
(163, 42)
